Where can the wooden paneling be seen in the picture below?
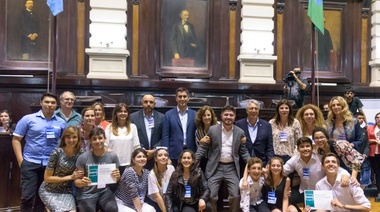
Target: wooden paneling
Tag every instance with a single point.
(9, 175)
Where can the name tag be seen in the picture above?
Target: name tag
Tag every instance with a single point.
(272, 197)
(342, 137)
(50, 132)
(283, 137)
(305, 174)
(141, 198)
(187, 191)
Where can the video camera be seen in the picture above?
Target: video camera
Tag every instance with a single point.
(290, 77)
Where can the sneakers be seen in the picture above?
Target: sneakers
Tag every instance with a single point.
(377, 199)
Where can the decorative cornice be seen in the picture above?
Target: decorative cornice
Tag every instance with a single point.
(365, 13)
(280, 7)
(233, 4)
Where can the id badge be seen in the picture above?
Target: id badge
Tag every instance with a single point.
(187, 191)
(305, 174)
(283, 137)
(342, 138)
(141, 198)
(272, 197)
(50, 132)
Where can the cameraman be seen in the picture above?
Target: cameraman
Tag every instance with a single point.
(295, 86)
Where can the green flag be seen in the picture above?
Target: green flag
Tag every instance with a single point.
(315, 12)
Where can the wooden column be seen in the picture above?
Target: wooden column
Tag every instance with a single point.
(232, 42)
(135, 38)
(81, 11)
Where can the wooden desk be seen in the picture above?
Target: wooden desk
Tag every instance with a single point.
(9, 174)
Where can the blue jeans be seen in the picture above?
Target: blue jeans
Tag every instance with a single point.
(365, 174)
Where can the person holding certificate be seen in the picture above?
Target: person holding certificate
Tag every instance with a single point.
(277, 187)
(158, 179)
(187, 189)
(133, 185)
(92, 191)
(349, 198)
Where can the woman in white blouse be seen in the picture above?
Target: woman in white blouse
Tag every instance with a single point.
(121, 135)
(159, 177)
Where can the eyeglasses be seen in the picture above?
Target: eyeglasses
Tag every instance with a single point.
(319, 138)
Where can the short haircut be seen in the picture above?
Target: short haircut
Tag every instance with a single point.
(96, 131)
(356, 114)
(254, 160)
(48, 94)
(304, 140)
(349, 89)
(228, 107)
(330, 154)
(181, 89)
(87, 109)
(66, 92)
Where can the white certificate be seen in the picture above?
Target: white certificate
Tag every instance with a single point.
(101, 174)
(318, 199)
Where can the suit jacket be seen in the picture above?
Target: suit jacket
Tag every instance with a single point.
(172, 133)
(262, 147)
(138, 119)
(180, 40)
(214, 149)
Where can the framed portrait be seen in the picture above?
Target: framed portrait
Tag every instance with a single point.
(328, 45)
(25, 34)
(184, 37)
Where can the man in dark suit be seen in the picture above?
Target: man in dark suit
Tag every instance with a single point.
(258, 132)
(149, 127)
(29, 30)
(223, 152)
(183, 38)
(178, 127)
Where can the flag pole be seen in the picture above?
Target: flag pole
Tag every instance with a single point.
(54, 73)
(313, 55)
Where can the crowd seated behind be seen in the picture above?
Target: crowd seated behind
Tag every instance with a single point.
(303, 140)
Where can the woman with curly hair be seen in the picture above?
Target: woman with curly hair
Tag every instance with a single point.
(286, 130)
(121, 134)
(187, 189)
(310, 117)
(341, 125)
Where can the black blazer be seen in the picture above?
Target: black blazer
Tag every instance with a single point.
(263, 145)
(138, 119)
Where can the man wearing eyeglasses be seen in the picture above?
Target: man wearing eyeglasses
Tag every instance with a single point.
(66, 111)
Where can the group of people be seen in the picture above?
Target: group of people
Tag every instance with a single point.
(177, 161)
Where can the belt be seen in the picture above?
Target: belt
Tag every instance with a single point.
(223, 163)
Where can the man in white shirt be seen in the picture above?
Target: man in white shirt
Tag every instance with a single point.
(252, 197)
(308, 166)
(349, 198)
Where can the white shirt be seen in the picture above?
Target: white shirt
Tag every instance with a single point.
(123, 145)
(316, 173)
(252, 130)
(153, 186)
(183, 118)
(252, 195)
(226, 150)
(148, 128)
(352, 195)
